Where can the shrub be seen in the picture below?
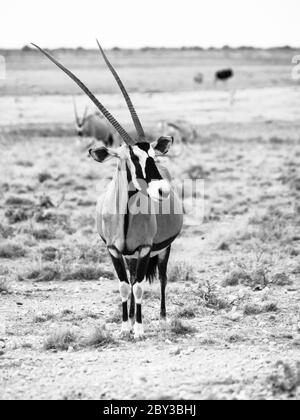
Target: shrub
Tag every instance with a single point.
(4, 286)
(44, 176)
(255, 309)
(24, 163)
(43, 234)
(236, 277)
(14, 201)
(181, 272)
(18, 215)
(187, 312)
(49, 253)
(286, 378)
(6, 231)
(43, 273)
(60, 340)
(87, 272)
(11, 250)
(98, 338)
(179, 328)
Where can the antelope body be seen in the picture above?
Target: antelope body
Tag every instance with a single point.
(139, 214)
(181, 131)
(96, 127)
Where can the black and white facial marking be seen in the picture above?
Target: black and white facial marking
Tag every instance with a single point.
(79, 129)
(144, 170)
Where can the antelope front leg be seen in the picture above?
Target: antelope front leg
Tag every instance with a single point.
(138, 288)
(124, 288)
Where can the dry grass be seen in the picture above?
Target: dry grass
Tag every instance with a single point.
(187, 312)
(11, 250)
(99, 337)
(181, 272)
(286, 379)
(179, 328)
(60, 340)
(57, 271)
(5, 286)
(256, 309)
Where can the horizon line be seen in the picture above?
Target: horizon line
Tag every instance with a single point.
(28, 47)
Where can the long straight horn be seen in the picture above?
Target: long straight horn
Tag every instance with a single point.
(135, 118)
(85, 114)
(125, 136)
(75, 111)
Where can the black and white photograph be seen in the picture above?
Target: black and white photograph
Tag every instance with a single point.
(149, 203)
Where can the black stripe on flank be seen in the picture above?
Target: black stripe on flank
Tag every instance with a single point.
(164, 244)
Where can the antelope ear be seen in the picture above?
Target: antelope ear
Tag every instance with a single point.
(163, 144)
(102, 154)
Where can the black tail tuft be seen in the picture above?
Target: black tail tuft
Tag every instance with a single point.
(110, 140)
(152, 269)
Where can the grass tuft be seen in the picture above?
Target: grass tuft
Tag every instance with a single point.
(11, 250)
(98, 338)
(4, 286)
(180, 328)
(60, 340)
(182, 272)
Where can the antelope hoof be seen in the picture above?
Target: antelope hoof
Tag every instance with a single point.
(125, 329)
(138, 331)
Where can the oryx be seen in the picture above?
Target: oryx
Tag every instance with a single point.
(142, 238)
(94, 126)
(182, 131)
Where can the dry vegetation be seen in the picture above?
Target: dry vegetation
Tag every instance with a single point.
(233, 295)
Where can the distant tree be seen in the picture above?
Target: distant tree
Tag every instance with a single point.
(26, 48)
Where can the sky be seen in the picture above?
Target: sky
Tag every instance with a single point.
(139, 23)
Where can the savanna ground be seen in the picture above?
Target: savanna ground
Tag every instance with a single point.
(233, 295)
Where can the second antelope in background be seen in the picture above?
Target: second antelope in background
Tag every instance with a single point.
(93, 125)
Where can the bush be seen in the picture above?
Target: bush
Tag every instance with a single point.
(11, 250)
(60, 340)
(179, 328)
(255, 309)
(18, 202)
(44, 273)
(44, 176)
(4, 286)
(18, 215)
(99, 337)
(43, 234)
(6, 231)
(286, 378)
(87, 272)
(187, 312)
(182, 272)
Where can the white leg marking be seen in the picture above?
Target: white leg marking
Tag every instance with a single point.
(138, 290)
(124, 290)
(126, 328)
(138, 330)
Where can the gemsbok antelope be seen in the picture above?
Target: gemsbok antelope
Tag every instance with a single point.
(182, 131)
(94, 126)
(139, 215)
